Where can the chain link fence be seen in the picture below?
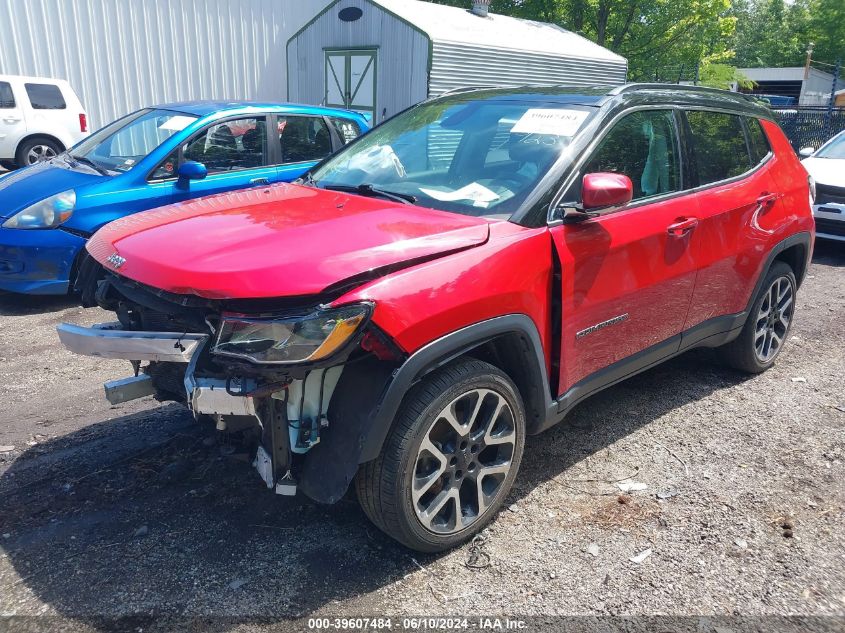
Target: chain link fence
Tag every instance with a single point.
(809, 126)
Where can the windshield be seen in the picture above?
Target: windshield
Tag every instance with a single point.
(834, 149)
(473, 157)
(123, 144)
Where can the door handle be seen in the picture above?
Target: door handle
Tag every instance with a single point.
(767, 201)
(11, 119)
(259, 181)
(682, 226)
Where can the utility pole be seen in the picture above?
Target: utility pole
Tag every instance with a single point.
(809, 59)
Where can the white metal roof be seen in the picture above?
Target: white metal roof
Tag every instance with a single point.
(452, 24)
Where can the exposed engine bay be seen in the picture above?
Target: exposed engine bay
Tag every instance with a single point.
(278, 373)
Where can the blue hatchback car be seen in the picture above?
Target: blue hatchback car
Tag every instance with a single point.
(150, 158)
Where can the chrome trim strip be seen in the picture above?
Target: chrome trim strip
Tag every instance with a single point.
(107, 340)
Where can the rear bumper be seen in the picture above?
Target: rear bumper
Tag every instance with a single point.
(830, 220)
(107, 340)
(37, 261)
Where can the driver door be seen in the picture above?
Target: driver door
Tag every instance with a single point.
(627, 275)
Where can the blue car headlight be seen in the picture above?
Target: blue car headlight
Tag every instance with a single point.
(45, 214)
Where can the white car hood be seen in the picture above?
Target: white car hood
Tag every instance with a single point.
(826, 171)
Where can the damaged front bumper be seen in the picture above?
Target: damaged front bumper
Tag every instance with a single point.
(287, 416)
(107, 340)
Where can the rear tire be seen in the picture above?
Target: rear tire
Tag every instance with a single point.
(768, 324)
(36, 149)
(450, 459)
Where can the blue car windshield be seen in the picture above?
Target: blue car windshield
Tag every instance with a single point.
(120, 146)
(470, 156)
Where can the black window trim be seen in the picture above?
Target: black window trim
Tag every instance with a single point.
(738, 177)
(14, 105)
(680, 109)
(576, 169)
(746, 120)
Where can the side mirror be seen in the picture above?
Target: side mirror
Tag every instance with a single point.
(192, 170)
(605, 189)
(805, 152)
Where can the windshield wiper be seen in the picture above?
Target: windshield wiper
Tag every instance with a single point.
(370, 190)
(87, 161)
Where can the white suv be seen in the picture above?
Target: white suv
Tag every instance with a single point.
(39, 118)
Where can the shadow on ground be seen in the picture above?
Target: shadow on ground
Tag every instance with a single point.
(829, 252)
(145, 514)
(13, 304)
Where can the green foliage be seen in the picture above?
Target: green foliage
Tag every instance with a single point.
(670, 38)
(722, 76)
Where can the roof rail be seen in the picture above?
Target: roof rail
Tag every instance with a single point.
(455, 91)
(666, 86)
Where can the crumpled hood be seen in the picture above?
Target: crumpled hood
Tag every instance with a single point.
(31, 184)
(825, 171)
(284, 240)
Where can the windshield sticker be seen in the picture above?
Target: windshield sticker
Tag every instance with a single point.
(550, 121)
(477, 193)
(177, 123)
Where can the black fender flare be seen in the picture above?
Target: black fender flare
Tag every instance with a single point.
(447, 348)
(804, 239)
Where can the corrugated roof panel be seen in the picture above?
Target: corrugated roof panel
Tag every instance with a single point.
(457, 65)
(452, 24)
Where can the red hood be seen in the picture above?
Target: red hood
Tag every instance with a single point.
(285, 240)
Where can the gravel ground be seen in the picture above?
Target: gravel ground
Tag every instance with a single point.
(135, 509)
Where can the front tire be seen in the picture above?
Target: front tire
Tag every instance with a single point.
(767, 326)
(450, 458)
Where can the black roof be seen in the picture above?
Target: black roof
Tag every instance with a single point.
(629, 95)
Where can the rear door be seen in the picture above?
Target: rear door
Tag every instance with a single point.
(12, 121)
(732, 163)
(304, 141)
(627, 276)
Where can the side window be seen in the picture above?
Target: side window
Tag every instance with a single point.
(757, 141)
(45, 97)
(7, 98)
(304, 138)
(347, 129)
(719, 144)
(168, 167)
(229, 146)
(644, 147)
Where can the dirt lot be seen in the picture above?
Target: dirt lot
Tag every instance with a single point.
(109, 511)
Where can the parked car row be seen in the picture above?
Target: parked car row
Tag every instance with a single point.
(153, 157)
(827, 167)
(400, 317)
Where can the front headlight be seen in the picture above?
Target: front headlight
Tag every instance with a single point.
(46, 214)
(292, 340)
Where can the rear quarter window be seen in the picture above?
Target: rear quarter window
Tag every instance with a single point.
(45, 97)
(719, 144)
(7, 99)
(347, 129)
(757, 141)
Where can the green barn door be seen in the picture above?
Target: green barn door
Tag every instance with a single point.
(351, 80)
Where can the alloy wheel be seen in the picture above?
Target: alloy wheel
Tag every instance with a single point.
(463, 461)
(773, 319)
(38, 153)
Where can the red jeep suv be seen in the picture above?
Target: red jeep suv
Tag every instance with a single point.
(461, 276)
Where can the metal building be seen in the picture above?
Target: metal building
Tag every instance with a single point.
(121, 55)
(381, 56)
(805, 87)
